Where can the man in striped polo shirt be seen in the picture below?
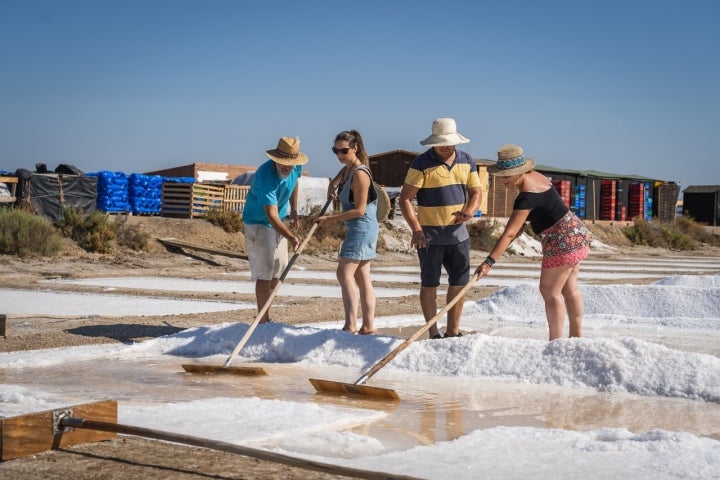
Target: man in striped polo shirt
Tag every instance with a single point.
(445, 183)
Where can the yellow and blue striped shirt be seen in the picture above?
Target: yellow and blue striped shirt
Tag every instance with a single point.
(442, 190)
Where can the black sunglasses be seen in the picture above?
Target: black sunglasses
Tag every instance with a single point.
(344, 151)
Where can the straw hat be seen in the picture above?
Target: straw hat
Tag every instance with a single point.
(511, 161)
(288, 152)
(444, 134)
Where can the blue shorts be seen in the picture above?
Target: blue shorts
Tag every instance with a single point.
(454, 258)
(360, 241)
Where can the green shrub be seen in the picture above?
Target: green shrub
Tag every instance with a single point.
(640, 232)
(72, 221)
(131, 236)
(682, 233)
(231, 222)
(697, 230)
(483, 234)
(93, 232)
(26, 234)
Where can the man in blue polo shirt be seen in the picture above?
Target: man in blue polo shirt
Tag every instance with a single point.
(445, 183)
(271, 199)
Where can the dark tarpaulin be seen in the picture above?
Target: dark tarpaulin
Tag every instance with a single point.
(47, 194)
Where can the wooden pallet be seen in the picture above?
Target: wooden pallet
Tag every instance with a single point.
(234, 198)
(11, 183)
(190, 200)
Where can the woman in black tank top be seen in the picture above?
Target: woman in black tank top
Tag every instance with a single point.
(565, 240)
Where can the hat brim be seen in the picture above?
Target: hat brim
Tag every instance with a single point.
(444, 140)
(526, 167)
(276, 157)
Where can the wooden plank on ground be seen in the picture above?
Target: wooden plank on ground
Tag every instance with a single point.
(174, 242)
(35, 433)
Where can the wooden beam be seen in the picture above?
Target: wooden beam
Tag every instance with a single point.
(38, 432)
(174, 242)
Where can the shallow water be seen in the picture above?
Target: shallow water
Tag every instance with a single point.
(432, 409)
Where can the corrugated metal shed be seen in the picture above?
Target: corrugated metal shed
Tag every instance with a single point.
(586, 193)
(702, 202)
(389, 168)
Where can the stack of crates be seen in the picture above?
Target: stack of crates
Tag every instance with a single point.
(667, 195)
(145, 194)
(563, 188)
(620, 210)
(648, 202)
(636, 200)
(112, 192)
(608, 191)
(580, 200)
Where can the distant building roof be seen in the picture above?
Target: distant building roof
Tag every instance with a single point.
(397, 150)
(702, 189)
(595, 173)
(581, 173)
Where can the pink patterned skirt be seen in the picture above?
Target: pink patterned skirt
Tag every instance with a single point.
(565, 243)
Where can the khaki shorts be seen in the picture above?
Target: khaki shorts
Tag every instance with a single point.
(267, 251)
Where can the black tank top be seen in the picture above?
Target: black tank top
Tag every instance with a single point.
(546, 208)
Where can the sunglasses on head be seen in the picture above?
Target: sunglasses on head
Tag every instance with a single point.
(344, 151)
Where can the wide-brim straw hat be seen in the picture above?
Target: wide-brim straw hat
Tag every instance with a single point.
(511, 161)
(444, 134)
(287, 152)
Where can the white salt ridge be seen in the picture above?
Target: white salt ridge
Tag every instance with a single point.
(637, 305)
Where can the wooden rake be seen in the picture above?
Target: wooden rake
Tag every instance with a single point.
(359, 387)
(254, 371)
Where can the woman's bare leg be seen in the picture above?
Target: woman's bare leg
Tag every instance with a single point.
(350, 296)
(552, 282)
(574, 302)
(367, 296)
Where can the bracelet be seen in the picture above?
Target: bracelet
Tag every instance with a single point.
(489, 261)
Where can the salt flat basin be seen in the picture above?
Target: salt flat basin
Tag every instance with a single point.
(39, 302)
(433, 409)
(199, 285)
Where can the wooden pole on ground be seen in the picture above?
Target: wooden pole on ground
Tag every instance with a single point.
(35, 433)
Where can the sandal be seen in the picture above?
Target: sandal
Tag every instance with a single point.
(366, 332)
(459, 334)
(351, 332)
(436, 337)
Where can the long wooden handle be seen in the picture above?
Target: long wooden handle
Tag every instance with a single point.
(366, 376)
(275, 290)
(81, 423)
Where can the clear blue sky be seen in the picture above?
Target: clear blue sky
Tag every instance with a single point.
(630, 87)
